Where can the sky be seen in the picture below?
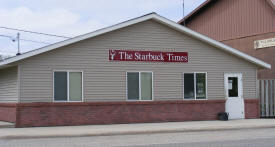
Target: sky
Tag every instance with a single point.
(75, 17)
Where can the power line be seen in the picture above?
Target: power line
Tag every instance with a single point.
(6, 36)
(24, 39)
(35, 41)
(34, 32)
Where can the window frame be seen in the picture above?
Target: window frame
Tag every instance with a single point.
(139, 73)
(195, 89)
(68, 85)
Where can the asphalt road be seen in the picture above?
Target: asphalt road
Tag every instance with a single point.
(239, 143)
(230, 138)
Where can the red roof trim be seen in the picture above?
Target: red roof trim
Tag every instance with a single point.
(271, 3)
(204, 4)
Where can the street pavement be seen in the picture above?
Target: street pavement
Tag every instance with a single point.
(128, 129)
(270, 142)
(226, 138)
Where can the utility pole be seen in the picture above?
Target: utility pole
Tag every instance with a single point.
(183, 12)
(18, 44)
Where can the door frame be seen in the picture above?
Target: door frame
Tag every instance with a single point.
(240, 84)
(232, 102)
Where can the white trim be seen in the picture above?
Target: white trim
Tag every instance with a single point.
(206, 83)
(139, 86)
(234, 105)
(211, 41)
(195, 89)
(183, 85)
(152, 86)
(126, 87)
(195, 85)
(240, 84)
(68, 85)
(78, 38)
(153, 16)
(53, 85)
(19, 83)
(82, 88)
(257, 85)
(139, 73)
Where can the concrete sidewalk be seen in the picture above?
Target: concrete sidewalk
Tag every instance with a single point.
(6, 124)
(122, 129)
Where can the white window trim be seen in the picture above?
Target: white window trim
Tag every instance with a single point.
(139, 85)
(68, 84)
(195, 93)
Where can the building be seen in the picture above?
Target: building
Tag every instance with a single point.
(148, 69)
(247, 25)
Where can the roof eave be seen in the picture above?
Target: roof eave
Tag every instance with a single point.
(215, 43)
(153, 16)
(76, 39)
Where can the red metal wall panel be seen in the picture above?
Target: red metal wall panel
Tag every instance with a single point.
(229, 19)
(238, 23)
(246, 44)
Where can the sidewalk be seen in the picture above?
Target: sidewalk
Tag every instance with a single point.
(6, 125)
(123, 129)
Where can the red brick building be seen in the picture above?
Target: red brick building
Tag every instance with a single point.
(240, 24)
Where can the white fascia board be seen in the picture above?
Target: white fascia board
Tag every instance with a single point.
(154, 16)
(76, 39)
(211, 41)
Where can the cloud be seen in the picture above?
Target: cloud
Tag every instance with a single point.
(71, 18)
(51, 21)
(56, 21)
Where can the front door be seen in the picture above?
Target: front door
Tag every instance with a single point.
(233, 84)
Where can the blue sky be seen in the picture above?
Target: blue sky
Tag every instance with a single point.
(75, 17)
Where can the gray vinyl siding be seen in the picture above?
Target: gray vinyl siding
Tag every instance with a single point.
(106, 81)
(9, 85)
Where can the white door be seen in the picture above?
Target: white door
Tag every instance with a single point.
(234, 105)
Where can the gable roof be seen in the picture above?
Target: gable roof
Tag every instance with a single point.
(149, 16)
(207, 3)
(203, 5)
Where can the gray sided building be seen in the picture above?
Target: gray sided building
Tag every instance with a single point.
(78, 82)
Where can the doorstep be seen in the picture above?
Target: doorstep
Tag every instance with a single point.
(126, 129)
(4, 124)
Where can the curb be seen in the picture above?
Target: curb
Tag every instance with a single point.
(134, 132)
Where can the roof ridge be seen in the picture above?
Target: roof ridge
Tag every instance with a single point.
(195, 10)
(146, 17)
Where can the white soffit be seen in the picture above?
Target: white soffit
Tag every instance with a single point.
(153, 16)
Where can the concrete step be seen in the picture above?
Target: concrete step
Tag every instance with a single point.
(4, 124)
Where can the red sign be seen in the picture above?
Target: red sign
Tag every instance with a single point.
(152, 56)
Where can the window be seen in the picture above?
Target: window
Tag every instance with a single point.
(194, 85)
(67, 86)
(139, 85)
(233, 87)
